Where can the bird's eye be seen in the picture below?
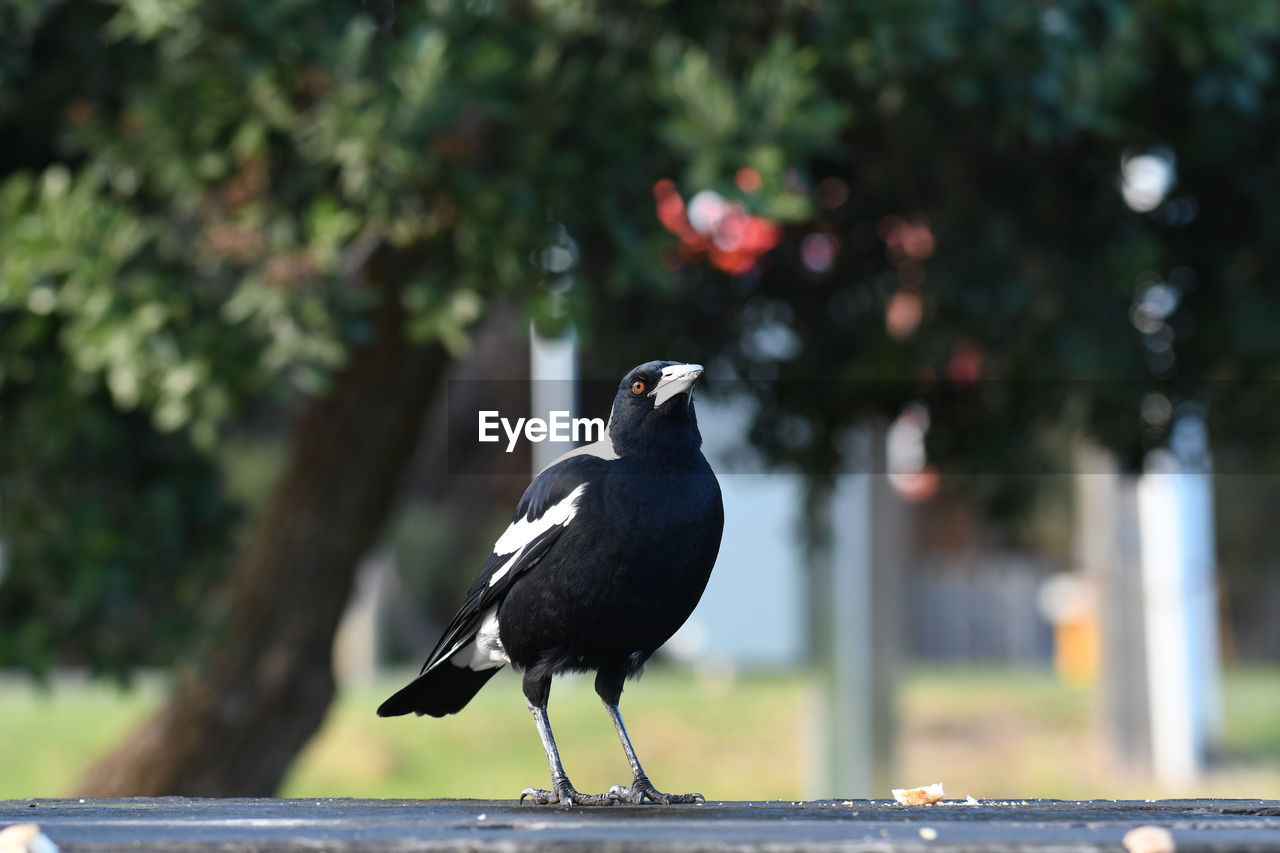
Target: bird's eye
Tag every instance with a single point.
(637, 387)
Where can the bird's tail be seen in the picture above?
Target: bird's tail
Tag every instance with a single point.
(437, 692)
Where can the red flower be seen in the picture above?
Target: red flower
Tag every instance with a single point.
(730, 237)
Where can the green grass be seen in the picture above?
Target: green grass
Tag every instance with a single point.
(1016, 733)
(1252, 703)
(997, 732)
(48, 737)
(737, 738)
(990, 732)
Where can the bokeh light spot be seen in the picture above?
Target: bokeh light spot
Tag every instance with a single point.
(903, 314)
(1145, 179)
(1156, 409)
(818, 252)
(748, 180)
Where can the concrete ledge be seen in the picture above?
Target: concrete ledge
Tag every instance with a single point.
(182, 824)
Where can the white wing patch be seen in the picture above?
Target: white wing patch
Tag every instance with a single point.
(524, 531)
(485, 650)
(488, 652)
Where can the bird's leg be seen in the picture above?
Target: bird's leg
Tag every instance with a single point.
(562, 790)
(610, 691)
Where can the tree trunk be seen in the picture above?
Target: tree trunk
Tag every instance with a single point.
(236, 721)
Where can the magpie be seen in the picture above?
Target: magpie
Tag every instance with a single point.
(606, 556)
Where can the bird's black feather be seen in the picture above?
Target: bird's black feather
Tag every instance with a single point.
(437, 692)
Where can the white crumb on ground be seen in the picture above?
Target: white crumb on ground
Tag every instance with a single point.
(1149, 839)
(926, 795)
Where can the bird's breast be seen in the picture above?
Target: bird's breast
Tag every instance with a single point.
(626, 572)
(663, 524)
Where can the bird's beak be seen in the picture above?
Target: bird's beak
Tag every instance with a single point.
(676, 379)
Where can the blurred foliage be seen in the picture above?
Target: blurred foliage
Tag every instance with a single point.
(970, 245)
(195, 195)
(113, 534)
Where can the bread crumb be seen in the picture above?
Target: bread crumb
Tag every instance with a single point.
(928, 833)
(923, 796)
(1149, 839)
(25, 838)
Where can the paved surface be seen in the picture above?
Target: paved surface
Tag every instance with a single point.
(181, 824)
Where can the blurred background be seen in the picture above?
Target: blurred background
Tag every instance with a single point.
(987, 296)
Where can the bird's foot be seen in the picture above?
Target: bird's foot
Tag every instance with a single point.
(642, 789)
(565, 794)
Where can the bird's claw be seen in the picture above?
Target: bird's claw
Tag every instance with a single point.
(642, 789)
(539, 796)
(565, 795)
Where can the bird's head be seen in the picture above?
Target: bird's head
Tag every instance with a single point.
(654, 403)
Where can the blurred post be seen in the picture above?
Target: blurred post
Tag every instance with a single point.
(553, 361)
(355, 645)
(1175, 503)
(553, 367)
(1108, 549)
(862, 623)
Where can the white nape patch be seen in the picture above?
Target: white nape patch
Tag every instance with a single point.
(523, 531)
(675, 379)
(602, 449)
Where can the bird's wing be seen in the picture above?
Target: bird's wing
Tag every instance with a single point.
(548, 505)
